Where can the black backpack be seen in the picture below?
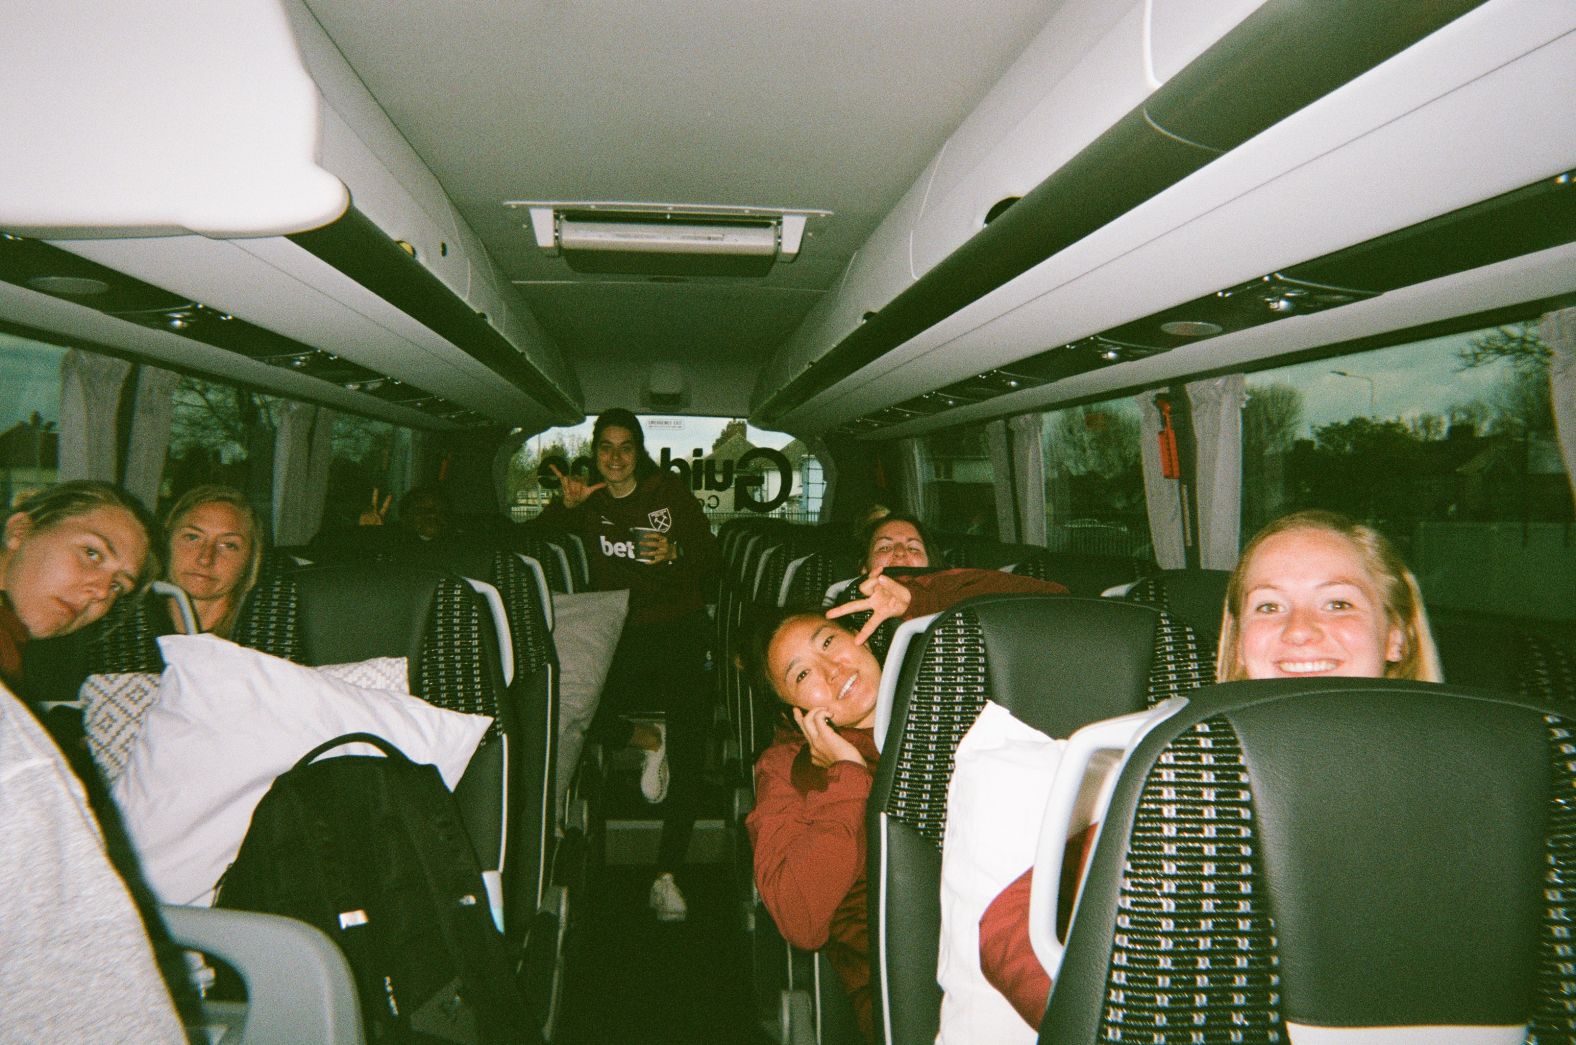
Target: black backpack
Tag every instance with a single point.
(372, 851)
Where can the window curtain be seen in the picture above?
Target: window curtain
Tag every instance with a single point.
(1217, 429)
(1161, 495)
(1558, 331)
(823, 453)
(997, 440)
(152, 412)
(1028, 475)
(90, 387)
(303, 449)
(911, 483)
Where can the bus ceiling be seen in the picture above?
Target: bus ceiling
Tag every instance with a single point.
(1088, 196)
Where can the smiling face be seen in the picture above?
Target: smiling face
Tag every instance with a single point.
(210, 551)
(813, 663)
(616, 454)
(67, 575)
(1310, 608)
(896, 543)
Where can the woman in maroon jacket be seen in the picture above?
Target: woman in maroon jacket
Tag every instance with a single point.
(813, 782)
(645, 532)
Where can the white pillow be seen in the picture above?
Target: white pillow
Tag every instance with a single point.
(1001, 779)
(585, 631)
(227, 721)
(114, 705)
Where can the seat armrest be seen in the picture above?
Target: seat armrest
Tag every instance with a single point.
(298, 985)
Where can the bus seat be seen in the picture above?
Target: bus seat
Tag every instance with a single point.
(1195, 597)
(1056, 663)
(1081, 573)
(298, 985)
(442, 624)
(1505, 657)
(806, 580)
(1340, 859)
(551, 551)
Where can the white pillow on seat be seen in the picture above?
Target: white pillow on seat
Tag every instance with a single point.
(115, 704)
(1001, 779)
(227, 721)
(586, 627)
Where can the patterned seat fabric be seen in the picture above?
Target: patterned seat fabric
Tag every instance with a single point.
(1195, 597)
(1198, 925)
(447, 668)
(1056, 663)
(814, 574)
(554, 557)
(952, 684)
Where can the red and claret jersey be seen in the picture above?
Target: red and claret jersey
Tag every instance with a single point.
(607, 524)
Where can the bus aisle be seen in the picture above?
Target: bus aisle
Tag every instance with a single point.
(635, 981)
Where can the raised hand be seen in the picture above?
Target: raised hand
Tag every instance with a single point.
(378, 513)
(826, 744)
(575, 489)
(884, 597)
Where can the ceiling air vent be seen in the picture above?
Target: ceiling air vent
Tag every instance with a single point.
(662, 239)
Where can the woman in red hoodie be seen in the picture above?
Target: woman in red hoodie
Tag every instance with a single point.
(813, 782)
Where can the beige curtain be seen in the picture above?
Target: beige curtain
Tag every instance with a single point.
(303, 449)
(1217, 428)
(90, 387)
(150, 432)
(996, 440)
(1028, 463)
(1558, 331)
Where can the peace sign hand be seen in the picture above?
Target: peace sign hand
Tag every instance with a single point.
(884, 597)
(575, 489)
(378, 513)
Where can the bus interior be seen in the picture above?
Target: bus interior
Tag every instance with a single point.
(1094, 288)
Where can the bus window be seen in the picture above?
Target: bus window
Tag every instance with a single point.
(958, 481)
(735, 470)
(368, 455)
(220, 434)
(1446, 445)
(1094, 480)
(29, 416)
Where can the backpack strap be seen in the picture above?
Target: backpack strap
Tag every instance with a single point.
(353, 738)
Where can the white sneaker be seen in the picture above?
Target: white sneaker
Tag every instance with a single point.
(666, 900)
(654, 768)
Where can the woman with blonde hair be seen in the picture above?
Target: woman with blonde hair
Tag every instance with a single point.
(1315, 594)
(215, 553)
(68, 553)
(1302, 599)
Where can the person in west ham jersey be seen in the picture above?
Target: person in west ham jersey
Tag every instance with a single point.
(645, 532)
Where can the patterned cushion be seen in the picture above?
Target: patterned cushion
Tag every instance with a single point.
(113, 709)
(114, 705)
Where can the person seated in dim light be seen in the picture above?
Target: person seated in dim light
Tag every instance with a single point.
(69, 553)
(1314, 594)
(215, 553)
(894, 539)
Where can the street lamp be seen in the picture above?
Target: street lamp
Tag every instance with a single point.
(1371, 408)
